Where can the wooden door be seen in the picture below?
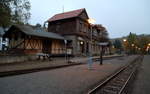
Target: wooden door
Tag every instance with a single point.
(47, 45)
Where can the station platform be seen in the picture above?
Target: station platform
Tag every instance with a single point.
(67, 80)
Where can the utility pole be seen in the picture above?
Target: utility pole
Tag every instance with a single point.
(90, 62)
(101, 55)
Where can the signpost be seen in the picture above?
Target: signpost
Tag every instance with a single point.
(102, 44)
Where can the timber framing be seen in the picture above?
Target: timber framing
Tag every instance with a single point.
(29, 41)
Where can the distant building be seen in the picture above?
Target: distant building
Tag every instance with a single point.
(1, 34)
(3, 41)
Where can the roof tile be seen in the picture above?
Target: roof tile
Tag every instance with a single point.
(29, 30)
(66, 15)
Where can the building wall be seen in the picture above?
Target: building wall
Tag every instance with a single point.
(18, 41)
(82, 27)
(84, 15)
(14, 41)
(80, 46)
(63, 27)
(36, 45)
(72, 29)
(33, 46)
(58, 47)
(77, 30)
(73, 45)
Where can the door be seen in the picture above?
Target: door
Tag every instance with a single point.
(47, 45)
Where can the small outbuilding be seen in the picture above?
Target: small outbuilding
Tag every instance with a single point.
(27, 39)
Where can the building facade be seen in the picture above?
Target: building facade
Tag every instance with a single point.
(67, 33)
(75, 28)
(25, 39)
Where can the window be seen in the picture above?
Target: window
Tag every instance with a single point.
(80, 26)
(85, 28)
(57, 26)
(95, 32)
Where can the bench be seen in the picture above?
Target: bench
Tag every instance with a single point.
(44, 56)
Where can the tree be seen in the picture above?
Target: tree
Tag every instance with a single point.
(132, 43)
(14, 11)
(38, 25)
(143, 42)
(132, 39)
(137, 44)
(117, 45)
(5, 14)
(103, 33)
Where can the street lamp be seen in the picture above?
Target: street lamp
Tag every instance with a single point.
(139, 48)
(132, 45)
(124, 40)
(90, 21)
(125, 44)
(132, 48)
(81, 42)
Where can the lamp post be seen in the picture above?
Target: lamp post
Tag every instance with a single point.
(125, 44)
(148, 48)
(124, 40)
(90, 21)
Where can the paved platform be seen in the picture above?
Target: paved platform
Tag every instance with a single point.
(142, 82)
(31, 66)
(67, 80)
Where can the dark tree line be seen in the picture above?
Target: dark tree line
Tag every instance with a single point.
(134, 44)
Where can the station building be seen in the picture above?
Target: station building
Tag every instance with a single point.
(68, 32)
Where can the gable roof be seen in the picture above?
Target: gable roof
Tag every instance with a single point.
(66, 15)
(29, 30)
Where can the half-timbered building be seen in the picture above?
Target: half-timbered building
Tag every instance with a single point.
(27, 39)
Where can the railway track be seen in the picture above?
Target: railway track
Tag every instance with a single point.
(118, 82)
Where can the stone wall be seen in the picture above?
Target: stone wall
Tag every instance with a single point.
(16, 58)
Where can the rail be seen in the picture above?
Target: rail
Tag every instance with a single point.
(117, 82)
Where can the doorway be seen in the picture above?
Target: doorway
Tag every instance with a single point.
(47, 45)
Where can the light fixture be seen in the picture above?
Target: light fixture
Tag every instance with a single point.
(81, 42)
(91, 21)
(132, 45)
(124, 40)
